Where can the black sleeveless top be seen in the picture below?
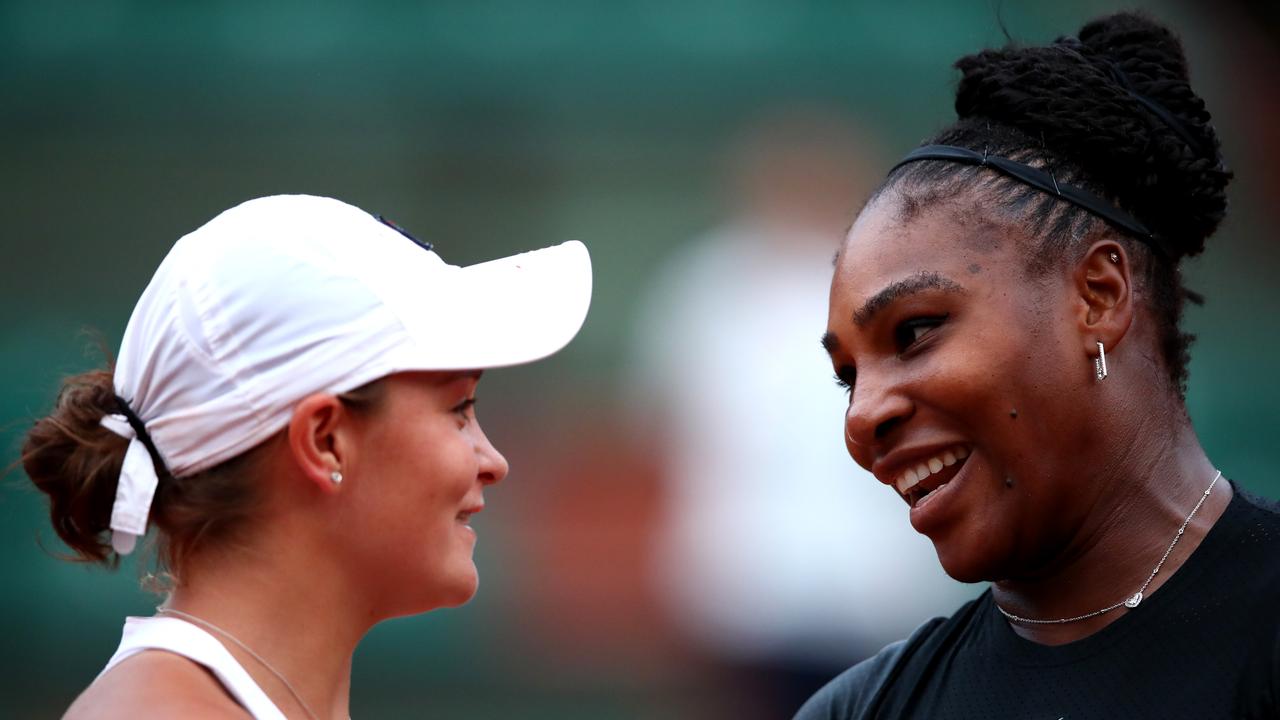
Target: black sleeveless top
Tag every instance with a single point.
(1205, 646)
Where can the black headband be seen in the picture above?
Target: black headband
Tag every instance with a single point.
(140, 430)
(1040, 180)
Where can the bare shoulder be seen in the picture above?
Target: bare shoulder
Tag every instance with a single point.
(156, 684)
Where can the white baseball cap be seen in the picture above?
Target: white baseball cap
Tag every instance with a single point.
(285, 296)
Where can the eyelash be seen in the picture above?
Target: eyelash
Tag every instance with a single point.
(846, 385)
(904, 336)
(463, 407)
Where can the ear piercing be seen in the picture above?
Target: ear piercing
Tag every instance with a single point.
(1115, 258)
(1100, 363)
(335, 477)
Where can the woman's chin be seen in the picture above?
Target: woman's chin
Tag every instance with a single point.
(461, 588)
(965, 564)
(456, 589)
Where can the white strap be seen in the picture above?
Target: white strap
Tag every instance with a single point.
(182, 638)
(134, 490)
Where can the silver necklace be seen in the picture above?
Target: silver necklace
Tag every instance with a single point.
(1133, 600)
(210, 626)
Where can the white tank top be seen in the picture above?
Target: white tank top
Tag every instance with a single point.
(182, 638)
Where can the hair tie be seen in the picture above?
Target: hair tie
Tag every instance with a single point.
(140, 429)
(139, 475)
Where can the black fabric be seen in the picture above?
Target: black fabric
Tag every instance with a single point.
(1040, 180)
(1204, 646)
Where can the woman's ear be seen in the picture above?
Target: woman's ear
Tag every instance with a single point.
(1104, 287)
(314, 439)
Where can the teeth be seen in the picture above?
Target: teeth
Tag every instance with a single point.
(913, 475)
(907, 480)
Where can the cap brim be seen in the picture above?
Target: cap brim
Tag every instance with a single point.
(510, 311)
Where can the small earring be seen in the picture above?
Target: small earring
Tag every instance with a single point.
(1115, 258)
(336, 477)
(1100, 363)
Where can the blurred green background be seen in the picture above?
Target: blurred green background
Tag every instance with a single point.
(489, 127)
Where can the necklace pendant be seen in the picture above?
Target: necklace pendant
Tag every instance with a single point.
(1133, 601)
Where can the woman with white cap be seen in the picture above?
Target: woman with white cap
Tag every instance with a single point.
(293, 410)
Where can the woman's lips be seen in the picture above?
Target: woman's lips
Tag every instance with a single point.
(932, 499)
(464, 516)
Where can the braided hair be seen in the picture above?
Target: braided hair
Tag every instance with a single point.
(1110, 111)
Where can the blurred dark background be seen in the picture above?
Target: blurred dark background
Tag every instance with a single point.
(494, 126)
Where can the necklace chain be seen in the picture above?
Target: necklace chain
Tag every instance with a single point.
(1133, 600)
(239, 643)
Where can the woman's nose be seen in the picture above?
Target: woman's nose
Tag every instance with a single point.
(876, 407)
(493, 466)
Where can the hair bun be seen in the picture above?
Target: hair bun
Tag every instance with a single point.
(76, 462)
(1117, 103)
(1139, 45)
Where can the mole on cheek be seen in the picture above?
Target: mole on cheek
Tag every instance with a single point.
(974, 268)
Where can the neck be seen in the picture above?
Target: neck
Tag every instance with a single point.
(1142, 495)
(296, 616)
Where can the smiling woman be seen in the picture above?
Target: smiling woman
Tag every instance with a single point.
(1005, 316)
(293, 410)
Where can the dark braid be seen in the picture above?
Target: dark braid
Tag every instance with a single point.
(1071, 109)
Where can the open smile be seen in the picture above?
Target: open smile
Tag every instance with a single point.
(918, 484)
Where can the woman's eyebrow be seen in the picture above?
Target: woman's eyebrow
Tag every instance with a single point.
(919, 282)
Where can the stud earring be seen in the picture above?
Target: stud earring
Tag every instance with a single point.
(1115, 258)
(336, 477)
(1100, 363)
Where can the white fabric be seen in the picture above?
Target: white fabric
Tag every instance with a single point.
(134, 490)
(285, 296)
(182, 638)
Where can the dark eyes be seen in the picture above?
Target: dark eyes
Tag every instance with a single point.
(844, 378)
(909, 332)
(905, 338)
(464, 408)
